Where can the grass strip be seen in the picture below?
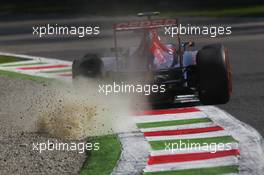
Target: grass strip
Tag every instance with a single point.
(8, 59)
(239, 12)
(200, 171)
(190, 143)
(211, 9)
(24, 64)
(173, 122)
(57, 71)
(10, 74)
(104, 160)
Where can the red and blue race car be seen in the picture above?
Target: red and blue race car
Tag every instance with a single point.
(183, 70)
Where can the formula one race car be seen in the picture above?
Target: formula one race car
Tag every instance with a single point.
(204, 73)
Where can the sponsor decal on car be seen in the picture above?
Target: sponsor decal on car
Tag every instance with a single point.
(145, 24)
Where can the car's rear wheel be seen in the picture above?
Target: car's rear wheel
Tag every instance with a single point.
(90, 66)
(214, 75)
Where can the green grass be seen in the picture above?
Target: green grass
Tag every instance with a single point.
(24, 64)
(201, 171)
(209, 9)
(7, 59)
(173, 123)
(4, 73)
(227, 12)
(104, 160)
(10, 74)
(57, 71)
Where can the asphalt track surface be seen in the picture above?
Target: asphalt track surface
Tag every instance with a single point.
(245, 48)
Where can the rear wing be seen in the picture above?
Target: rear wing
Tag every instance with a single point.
(145, 24)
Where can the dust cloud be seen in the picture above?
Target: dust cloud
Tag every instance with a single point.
(74, 111)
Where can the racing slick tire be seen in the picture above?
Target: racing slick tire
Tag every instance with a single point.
(89, 66)
(214, 75)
